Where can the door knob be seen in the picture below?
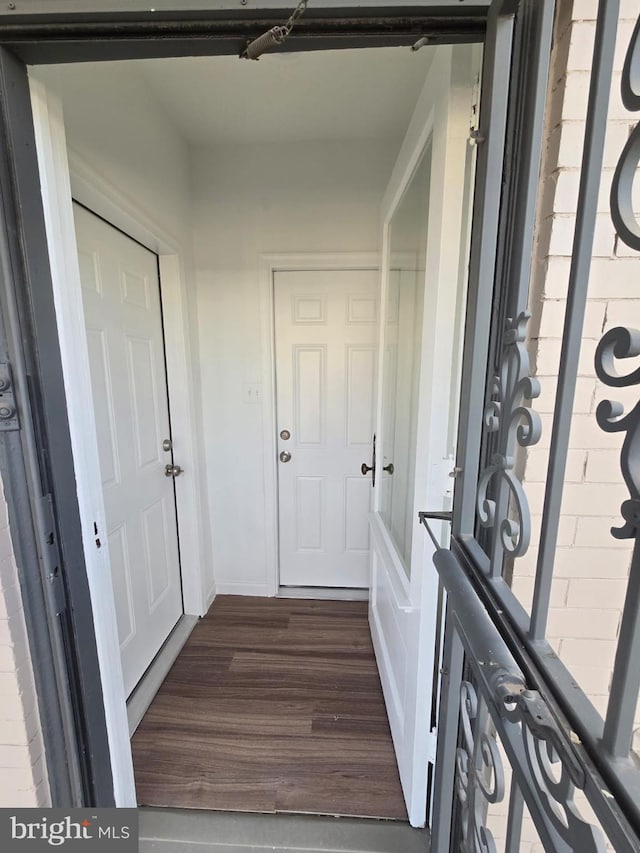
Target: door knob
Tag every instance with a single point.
(389, 468)
(285, 456)
(172, 471)
(364, 468)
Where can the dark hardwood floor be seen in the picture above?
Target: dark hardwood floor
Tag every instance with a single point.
(273, 705)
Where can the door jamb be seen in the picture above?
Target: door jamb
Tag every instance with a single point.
(57, 185)
(269, 265)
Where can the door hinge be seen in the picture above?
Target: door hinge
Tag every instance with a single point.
(8, 408)
(537, 717)
(474, 119)
(51, 557)
(432, 745)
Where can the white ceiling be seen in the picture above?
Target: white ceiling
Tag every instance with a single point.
(324, 95)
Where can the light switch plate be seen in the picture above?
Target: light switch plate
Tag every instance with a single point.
(253, 392)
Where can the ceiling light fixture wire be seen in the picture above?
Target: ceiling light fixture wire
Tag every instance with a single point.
(275, 36)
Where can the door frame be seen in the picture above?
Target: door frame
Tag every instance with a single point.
(404, 611)
(64, 176)
(269, 265)
(62, 31)
(105, 200)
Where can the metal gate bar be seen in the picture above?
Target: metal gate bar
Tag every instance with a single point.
(533, 731)
(483, 252)
(596, 126)
(527, 729)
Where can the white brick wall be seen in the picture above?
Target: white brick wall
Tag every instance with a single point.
(591, 567)
(23, 779)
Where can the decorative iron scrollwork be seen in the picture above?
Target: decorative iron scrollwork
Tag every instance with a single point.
(621, 343)
(516, 425)
(554, 772)
(622, 212)
(479, 772)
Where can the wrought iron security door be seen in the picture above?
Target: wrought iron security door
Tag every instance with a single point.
(519, 741)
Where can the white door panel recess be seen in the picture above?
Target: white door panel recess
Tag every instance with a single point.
(121, 299)
(326, 359)
(425, 217)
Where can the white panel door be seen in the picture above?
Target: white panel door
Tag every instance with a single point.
(326, 360)
(121, 298)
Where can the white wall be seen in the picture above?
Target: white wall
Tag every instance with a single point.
(249, 200)
(113, 121)
(115, 126)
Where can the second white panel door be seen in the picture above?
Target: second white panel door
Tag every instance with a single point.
(121, 298)
(326, 358)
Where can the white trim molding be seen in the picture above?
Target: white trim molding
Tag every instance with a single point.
(65, 273)
(270, 264)
(65, 175)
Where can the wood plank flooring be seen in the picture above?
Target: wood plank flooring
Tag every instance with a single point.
(273, 705)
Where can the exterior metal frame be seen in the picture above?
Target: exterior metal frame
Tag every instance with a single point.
(47, 32)
(486, 216)
(36, 462)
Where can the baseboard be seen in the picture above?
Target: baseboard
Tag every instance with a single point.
(243, 589)
(324, 593)
(332, 593)
(210, 598)
(148, 686)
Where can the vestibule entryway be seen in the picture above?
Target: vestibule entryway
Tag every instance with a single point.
(208, 215)
(310, 217)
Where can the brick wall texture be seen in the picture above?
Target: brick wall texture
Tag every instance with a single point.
(23, 779)
(591, 567)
